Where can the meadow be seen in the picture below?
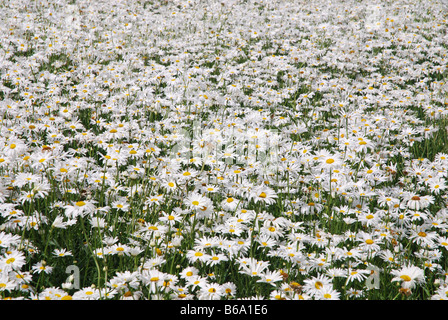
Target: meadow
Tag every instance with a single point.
(223, 150)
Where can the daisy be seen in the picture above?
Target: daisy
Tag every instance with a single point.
(7, 239)
(41, 267)
(229, 289)
(271, 229)
(170, 218)
(422, 236)
(53, 293)
(271, 277)
(153, 278)
(211, 291)
(169, 184)
(98, 222)
(205, 210)
(233, 229)
(418, 216)
(24, 178)
(443, 241)
(151, 229)
(416, 202)
(22, 279)
(189, 272)
(196, 201)
(354, 253)
(356, 275)
(60, 223)
(41, 189)
(41, 160)
(80, 208)
(197, 255)
(329, 161)
(196, 281)
(14, 147)
(188, 174)
(436, 185)
(327, 292)
(181, 293)
(388, 256)
(62, 253)
(169, 282)
(314, 285)
(236, 247)
(336, 273)
(409, 276)
(153, 263)
(209, 188)
(119, 249)
(368, 242)
(230, 204)
(440, 294)
(354, 293)
(87, 293)
(154, 200)
(263, 194)
(278, 295)
(265, 241)
(311, 207)
(387, 201)
(370, 218)
(122, 205)
(6, 284)
(205, 242)
(252, 267)
(13, 260)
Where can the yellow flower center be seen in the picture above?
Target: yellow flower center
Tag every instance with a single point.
(405, 277)
(422, 234)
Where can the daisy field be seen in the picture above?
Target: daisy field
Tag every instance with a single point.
(223, 150)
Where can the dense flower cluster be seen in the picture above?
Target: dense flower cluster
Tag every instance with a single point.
(258, 149)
